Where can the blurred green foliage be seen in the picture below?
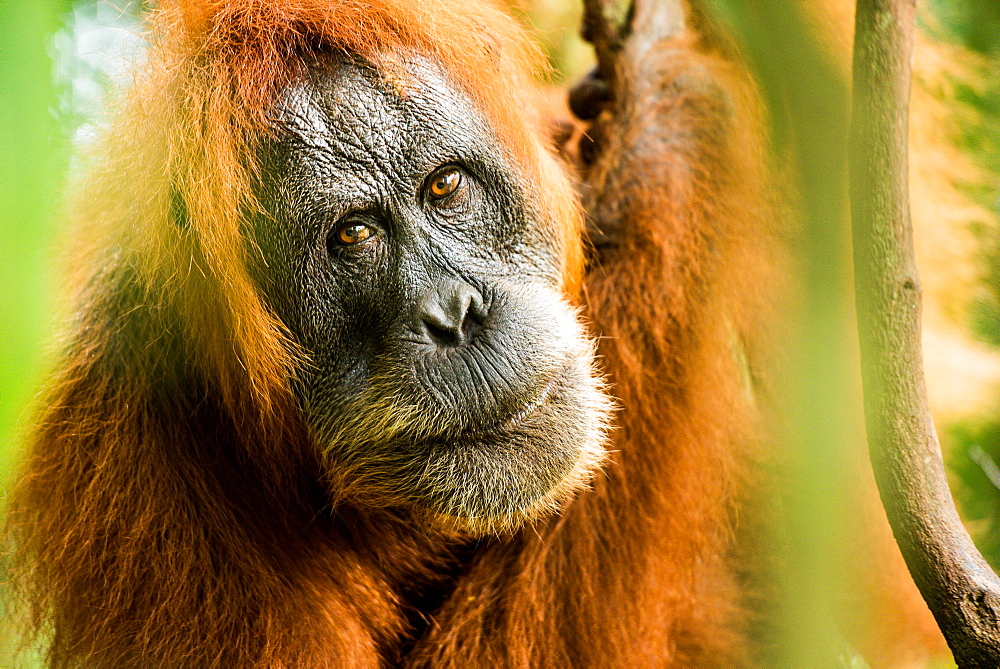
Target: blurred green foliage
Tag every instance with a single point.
(974, 446)
(975, 23)
(979, 137)
(807, 101)
(32, 163)
(58, 60)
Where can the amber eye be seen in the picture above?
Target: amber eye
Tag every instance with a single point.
(354, 233)
(444, 183)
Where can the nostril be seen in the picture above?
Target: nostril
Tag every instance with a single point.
(471, 325)
(442, 336)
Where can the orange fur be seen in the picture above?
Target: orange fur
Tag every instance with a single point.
(172, 509)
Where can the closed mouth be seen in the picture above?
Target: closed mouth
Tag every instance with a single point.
(511, 422)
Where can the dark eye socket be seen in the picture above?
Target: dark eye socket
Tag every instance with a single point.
(446, 181)
(350, 233)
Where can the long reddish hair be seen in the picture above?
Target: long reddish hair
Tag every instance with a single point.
(172, 510)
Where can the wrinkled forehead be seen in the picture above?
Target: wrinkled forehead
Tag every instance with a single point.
(364, 112)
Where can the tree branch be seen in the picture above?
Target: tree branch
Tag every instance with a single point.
(960, 588)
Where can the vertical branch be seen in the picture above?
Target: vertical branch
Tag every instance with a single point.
(959, 587)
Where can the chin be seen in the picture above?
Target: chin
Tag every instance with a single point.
(527, 466)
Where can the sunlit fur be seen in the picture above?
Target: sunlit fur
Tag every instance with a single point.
(133, 496)
(143, 542)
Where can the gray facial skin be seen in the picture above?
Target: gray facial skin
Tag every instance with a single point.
(446, 373)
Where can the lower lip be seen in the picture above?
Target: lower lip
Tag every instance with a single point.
(512, 421)
(524, 412)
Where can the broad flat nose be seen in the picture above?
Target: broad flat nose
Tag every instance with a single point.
(449, 314)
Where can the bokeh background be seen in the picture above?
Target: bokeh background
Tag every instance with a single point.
(60, 60)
